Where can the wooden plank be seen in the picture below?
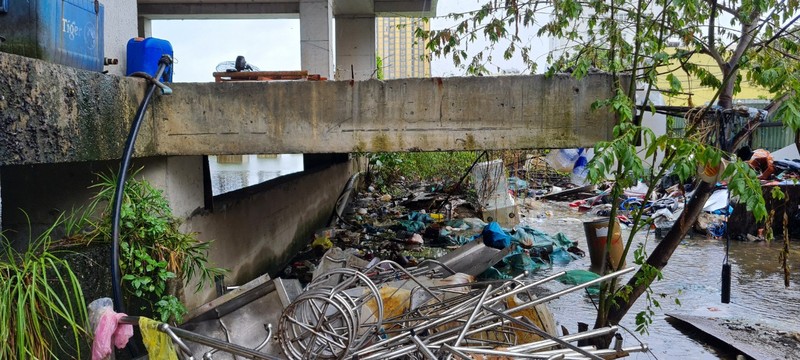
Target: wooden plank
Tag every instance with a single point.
(713, 327)
(266, 76)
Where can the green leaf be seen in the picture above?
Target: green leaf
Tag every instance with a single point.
(674, 83)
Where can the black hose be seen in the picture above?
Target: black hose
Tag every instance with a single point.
(116, 276)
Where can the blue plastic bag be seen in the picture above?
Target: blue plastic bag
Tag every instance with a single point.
(494, 236)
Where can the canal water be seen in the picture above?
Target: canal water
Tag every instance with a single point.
(693, 275)
(233, 172)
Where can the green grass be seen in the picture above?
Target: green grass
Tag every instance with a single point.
(42, 309)
(445, 167)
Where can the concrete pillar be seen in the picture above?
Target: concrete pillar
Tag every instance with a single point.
(182, 180)
(355, 48)
(316, 18)
(120, 26)
(145, 27)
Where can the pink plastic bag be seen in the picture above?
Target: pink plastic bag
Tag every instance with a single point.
(109, 330)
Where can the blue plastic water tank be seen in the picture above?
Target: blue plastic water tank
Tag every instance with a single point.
(67, 32)
(144, 53)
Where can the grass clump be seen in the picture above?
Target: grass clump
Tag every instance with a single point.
(42, 308)
(445, 167)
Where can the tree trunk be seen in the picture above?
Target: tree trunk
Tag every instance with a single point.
(726, 95)
(661, 254)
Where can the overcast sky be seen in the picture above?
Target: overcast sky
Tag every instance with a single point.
(199, 45)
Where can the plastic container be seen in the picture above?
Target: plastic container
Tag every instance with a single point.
(580, 172)
(596, 237)
(563, 159)
(144, 54)
(60, 31)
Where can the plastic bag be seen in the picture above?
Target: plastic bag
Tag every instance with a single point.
(577, 277)
(107, 329)
(521, 262)
(494, 236)
(158, 344)
(580, 171)
(560, 257)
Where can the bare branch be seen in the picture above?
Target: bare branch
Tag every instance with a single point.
(723, 7)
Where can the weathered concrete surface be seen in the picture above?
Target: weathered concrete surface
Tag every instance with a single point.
(512, 112)
(260, 232)
(53, 113)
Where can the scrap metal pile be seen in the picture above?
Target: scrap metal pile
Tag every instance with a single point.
(385, 311)
(380, 310)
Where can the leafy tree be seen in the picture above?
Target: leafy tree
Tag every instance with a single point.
(749, 40)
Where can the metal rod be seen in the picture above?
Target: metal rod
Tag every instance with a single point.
(455, 352)
(423, 349)
(403, 270)
(209, 341)
(610, 352)
(574, 337)
(477, 330)
(526, 287)
(437, 263)
(500, 353)
(267, 327)
(540, 332)
(471, 318)
(558, 294)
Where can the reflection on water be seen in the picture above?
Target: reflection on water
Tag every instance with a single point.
(233, 172)
(693, 275)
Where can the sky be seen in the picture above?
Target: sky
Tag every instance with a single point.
(274, 44)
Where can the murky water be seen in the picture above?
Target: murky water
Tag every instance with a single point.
(233, 172)
(693, 275)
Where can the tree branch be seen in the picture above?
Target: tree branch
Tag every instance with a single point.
(779, 33)
(723, 8)
(712, 40)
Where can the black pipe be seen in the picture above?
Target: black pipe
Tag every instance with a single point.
(116, 277)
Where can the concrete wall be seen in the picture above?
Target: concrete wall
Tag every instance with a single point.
(255, 230)
(258, 233)
(41, 192)
(120, 26)
(53, 113)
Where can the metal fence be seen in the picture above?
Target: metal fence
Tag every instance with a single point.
(770, 135)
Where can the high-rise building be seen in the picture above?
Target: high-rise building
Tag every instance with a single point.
(402, 54)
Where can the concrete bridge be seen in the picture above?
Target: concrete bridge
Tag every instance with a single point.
(56, 114)
(61, 126)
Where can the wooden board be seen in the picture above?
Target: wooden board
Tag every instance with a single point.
(266, 76)
(715, 328)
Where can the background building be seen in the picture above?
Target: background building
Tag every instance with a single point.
(400, 53)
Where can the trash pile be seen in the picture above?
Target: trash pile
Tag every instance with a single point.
(423, 274)
(383, 310)
(353, 309)
(428, 222)
(667, 201)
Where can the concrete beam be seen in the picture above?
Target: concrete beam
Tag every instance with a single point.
(52, 113)
(219, 10)
(250, 8)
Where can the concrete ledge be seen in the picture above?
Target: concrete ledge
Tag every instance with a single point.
(53, 113)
